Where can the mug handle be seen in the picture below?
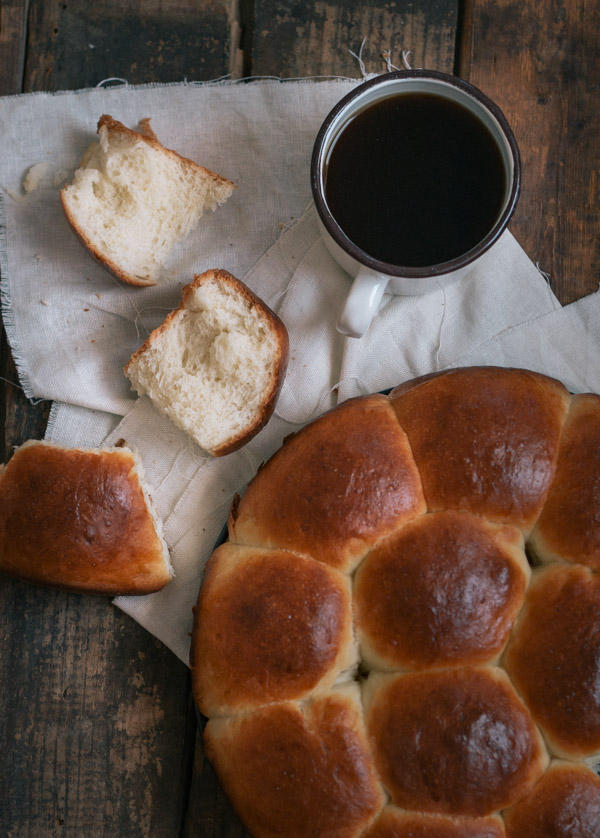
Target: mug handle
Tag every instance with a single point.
(362, 302)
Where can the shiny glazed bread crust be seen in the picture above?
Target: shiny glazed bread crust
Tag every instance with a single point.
(400, 493)
(565, 803)
(80, 520)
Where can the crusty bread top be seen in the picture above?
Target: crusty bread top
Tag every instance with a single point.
(569, 525)
(564, 804)
(132, 200)
(456, 741)
(496, 431)
(299, 770)
(340, 484)
(80, 520)
(445, 589)
(561, 614)
(247, 595)
(217, 363)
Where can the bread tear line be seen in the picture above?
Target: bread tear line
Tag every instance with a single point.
(217, 363)
(132, 200)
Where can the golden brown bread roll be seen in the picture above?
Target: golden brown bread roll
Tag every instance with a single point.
(335, 488)
(445, 589)
(398, 823)
(426, 501)
(569, 525)
(80, 520)
(274, 626)
(454, 741)
(553, 658)
(496, 433)
(564, 804)
(298, 770)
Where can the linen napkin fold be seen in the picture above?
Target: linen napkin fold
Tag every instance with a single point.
(300, 280)
(71, 325)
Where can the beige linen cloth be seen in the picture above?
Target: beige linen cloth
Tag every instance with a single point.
(72, 326)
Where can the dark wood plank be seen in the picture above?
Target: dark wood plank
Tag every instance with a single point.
(541, 63)
(97, 729)
(209, 813)
(21, 419)
(13, 26)
(315, 38)
(79, 44)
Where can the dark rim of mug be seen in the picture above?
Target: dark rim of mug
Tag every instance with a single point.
(386, 268)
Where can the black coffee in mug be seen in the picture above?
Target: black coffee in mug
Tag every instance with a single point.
(415, 179)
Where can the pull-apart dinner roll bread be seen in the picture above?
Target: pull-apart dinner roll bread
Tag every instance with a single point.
(132, 200)
(274, 626)
(484, 439)
(454, 741)
(569, 525)
(296, 770)
(216, 365)
(81, 520)
(445, 589)
(553, 658)
(564, 804)
(398, 823)
(335, 488)
(387, 547)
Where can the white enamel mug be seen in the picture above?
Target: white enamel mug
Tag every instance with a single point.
(372, 278)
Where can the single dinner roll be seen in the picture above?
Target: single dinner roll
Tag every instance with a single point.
(275, 626)
(132, 200)
(335, 488)
(496, 431)
(569, 525)
(564, 804)
(445, 589)
(80, 520)
(454, 741)
(216, 365)
(296, 770)
(398, 823)
(553, 658)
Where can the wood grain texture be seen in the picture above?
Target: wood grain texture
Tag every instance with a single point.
(78, 44)
(541, 63)
(97, 733)
(316, 38)
(13, 26)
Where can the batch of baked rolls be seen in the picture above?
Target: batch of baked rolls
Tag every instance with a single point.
(401, 636)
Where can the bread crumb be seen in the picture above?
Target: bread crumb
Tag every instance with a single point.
(14, 195)
(33, 177)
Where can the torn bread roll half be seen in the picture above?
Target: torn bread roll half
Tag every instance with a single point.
(81, 520)
(132, 200)
(217, 363)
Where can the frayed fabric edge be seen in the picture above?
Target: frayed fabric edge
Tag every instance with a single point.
(8, 318)
(223, 81)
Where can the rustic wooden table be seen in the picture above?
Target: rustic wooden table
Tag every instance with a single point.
(98, 733)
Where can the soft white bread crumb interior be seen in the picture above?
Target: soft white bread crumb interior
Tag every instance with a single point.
(132, 200)
(216, 364)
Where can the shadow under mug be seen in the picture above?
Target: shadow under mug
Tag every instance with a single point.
(372, 278)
